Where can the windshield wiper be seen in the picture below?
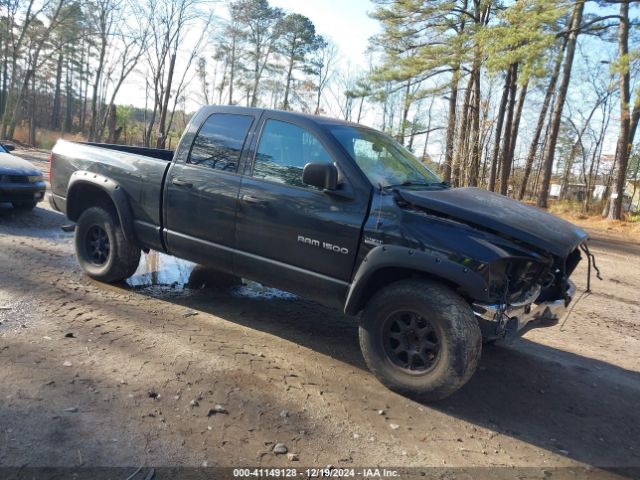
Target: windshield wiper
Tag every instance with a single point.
(416, 184)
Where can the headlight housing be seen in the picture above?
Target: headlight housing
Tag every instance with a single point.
(35, 178)
(517, 281)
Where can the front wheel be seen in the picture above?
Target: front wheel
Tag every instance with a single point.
(102, 251)
(420, 338)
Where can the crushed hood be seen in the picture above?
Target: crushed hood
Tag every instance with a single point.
(501, 214)
(12, 165)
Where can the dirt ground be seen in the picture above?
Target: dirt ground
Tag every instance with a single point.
(171, 370)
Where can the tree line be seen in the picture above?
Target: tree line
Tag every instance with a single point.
(64, 62)
(486, 58)
(513, 91)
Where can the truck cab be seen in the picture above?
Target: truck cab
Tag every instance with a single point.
(240, 171)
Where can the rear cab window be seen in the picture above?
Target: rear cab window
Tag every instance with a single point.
(218, 144)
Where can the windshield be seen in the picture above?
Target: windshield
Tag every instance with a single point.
(383, 160)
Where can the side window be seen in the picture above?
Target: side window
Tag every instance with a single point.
(284, 150)
(219, 142)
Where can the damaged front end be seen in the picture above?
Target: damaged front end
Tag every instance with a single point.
(508, 321)
(532, 297)
(528, 284)
(527, 295)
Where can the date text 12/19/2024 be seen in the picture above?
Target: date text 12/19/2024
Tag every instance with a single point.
(328, 472)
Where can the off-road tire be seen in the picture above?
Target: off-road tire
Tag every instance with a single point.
(458, 336)
(122, 258)
(25, 205)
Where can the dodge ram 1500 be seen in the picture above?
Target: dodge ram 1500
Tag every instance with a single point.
(335, 212)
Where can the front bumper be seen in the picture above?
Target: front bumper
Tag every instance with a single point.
(22, 192)
(505, 321)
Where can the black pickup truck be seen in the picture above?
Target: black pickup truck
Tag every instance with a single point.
(335, 212)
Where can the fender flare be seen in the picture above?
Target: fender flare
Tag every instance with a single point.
(115, 192)
(430, 262)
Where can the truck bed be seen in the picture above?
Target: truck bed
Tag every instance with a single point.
(159, 153)
(139, 170)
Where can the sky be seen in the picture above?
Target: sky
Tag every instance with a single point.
(344, 21)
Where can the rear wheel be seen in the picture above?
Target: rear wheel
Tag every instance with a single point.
(101, 249)
(25, 205)
(421, 339)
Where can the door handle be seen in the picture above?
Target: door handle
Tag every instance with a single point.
(181, 183)
(253, 200)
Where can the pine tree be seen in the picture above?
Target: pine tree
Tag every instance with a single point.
(297, 43)
(260, 27)
(518, 44)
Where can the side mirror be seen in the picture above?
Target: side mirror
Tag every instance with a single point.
(8, 147)
(321, 175)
